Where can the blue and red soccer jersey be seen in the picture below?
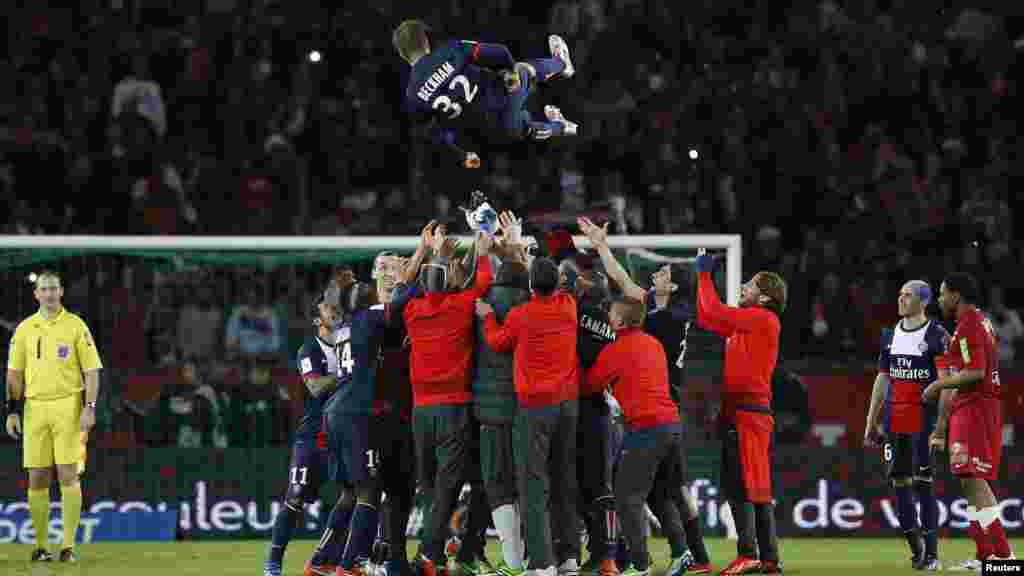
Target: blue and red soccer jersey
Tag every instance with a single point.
(908, 358)
(454, 86)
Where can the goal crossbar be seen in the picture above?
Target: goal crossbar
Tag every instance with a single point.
(730, 244)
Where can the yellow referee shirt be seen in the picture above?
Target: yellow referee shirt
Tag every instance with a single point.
(53, 354)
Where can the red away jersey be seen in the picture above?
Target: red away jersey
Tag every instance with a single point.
(974, 347)
(636, 367)
(751, 347)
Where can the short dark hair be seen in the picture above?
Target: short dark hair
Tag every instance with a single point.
(634, 312)
(544, 276)
(963, 284)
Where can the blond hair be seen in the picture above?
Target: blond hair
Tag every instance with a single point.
(773, 291)
(411, 38)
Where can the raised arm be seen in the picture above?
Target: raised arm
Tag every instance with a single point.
(719, 318)
(599, 238)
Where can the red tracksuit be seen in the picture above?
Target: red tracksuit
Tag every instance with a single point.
(751, 351)
(636, 366)
(440, 327)
(542, 333)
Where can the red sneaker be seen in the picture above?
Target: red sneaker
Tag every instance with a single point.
(741, 565)
(319, 569)
(699, 569)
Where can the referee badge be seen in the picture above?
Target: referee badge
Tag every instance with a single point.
(63, 351)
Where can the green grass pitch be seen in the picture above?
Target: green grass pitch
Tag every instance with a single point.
(875, 557)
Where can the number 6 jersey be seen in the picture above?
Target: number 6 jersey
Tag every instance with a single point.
(452, 86)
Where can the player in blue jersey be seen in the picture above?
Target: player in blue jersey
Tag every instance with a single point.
(901, 423)
(476, 86)
(357, 441)
(317, 362)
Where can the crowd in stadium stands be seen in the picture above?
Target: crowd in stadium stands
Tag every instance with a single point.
(854, 145)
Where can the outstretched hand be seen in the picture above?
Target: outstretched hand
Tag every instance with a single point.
(598, 235)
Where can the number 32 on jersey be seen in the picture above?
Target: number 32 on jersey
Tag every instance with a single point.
(450, 107)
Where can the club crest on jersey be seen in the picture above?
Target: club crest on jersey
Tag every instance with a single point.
(63, 351)
(923, 346)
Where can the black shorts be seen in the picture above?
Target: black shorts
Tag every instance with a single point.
(907, 456)
(651, 461)
(307, 470)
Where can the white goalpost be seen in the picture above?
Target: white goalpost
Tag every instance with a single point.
(639, 244)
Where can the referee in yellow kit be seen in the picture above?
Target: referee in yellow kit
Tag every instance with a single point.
(52, 359)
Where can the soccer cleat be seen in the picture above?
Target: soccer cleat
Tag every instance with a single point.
(569, 568)
(272, 569)
(633, 571)
(969, 565)
(699, 569)
(608, 567)
(771, 567)
(742, 565)
(560, 50)
(69, 556)
(929, 564)
(42, 555)
(311, 569)
(681, 564)
(425, 566)
(553, 114)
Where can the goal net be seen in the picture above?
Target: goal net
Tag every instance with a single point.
(172, 310)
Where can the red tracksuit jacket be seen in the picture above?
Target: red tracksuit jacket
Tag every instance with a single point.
(636, 366)
(440, 327)
(542, 333)
(751, 347)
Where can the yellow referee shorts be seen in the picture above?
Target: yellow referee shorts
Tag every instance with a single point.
(52, 432)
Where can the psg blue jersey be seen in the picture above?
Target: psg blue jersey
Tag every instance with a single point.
(358, 344)
(315, 359)
(908, 358)
(453, 86)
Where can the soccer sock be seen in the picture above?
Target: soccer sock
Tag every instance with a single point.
(337, 527)
(360, 534)
(988, 519)
(743, 513)
(929, 516)
(39, 507)
(547, 68)
(983, 547)
(506, 522)
(908, 518)
(695, 541)
(767, 542)
(71, 513)
(282, 531)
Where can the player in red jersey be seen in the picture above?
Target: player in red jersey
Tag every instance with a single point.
(751, 352)
(969, 407)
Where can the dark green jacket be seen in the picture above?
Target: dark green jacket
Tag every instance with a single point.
(494, 390)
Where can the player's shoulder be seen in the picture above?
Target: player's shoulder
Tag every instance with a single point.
(27, 324)
(310, 346)
(74, 322)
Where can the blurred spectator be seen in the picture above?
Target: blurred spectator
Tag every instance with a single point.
(1007, 323)
(253, 330)
(199, 324)
(192, 412)
(792, 408)
(162, 323)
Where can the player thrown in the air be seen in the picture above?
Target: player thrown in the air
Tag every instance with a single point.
(474, 86)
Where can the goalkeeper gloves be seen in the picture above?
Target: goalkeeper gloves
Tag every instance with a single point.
(483, 219)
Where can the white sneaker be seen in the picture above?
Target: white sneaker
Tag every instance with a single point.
(971, 565)
(569, 568)
(553, 114)
(560, 50)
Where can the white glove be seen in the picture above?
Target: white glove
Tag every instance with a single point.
(483, 219)
(514, 233)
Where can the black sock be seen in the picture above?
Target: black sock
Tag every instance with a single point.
(767, 542)
(695, 541)
(743, 514)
